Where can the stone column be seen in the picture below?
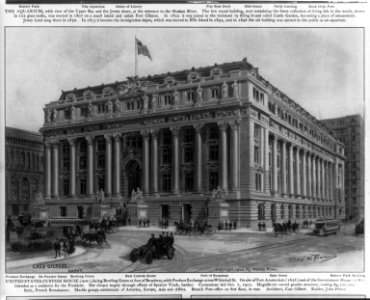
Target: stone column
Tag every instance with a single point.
(223, 148)
(47, 156)
(283, 168)
(175, 160)
(309, 175)
(90, 166)
(274, 189)
(298, 173)
(108, 165)
(117, 165)
(319, 174)
(234, 155)
(145, 135)
(198, 157)
(291, 171)
(154, 134)
(324, 182)
(55, 191)
(266, 160)
(314, 183)
(72, 167)
(304, 174)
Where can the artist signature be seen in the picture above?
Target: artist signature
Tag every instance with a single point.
(316, 258)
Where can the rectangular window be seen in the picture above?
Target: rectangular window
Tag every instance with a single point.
(189, 182)
(83, 186)
(65, 187)
(257, 156)
(83, 163)
(188, 155)
(84, 111)
(166, 156)
(190, 96)
(167, 138)
(215, 93)
(188, 135)
(101, 108)
(101, 182)
(167, 100)
(213, 180)
(213, 153)
(67, 114)
(63, 211)
(80, 212)
(166, 183)
(101, 161)
(65, 163)
(213, 133)
(258, 178)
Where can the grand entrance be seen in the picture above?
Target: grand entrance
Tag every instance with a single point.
(133, 176)
(165, 211)
(186, 213)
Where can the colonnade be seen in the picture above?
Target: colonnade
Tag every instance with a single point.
(312, 176)
(150, 161)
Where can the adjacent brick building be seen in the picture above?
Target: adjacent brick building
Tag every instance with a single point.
(350, 131)
(184, 137)
(24, 175)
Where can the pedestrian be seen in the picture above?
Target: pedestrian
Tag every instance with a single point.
(9, 228)
(259, 226)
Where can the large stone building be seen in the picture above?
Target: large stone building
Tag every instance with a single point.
(24, 159)
(190, 139)
(350, 131)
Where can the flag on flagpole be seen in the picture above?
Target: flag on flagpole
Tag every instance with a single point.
(142, 49)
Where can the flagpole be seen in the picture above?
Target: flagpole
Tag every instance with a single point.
(135, 57)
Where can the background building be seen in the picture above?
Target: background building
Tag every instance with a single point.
(183, 139)
(24, 157)
(350, 131)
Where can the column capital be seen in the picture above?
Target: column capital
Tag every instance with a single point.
(117, 136)
(71, 141)
(198, 127)
(47, 144)
(89, 139)
(175, 130)
(145, 133)
(222, 125)
(234, 124)
(108, 138)
(154, 133)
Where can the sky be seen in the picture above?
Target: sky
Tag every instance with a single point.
(319, 68)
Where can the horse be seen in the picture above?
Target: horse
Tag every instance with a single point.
(182, 228)
(94, 237)
(295, 226)
(280, 229)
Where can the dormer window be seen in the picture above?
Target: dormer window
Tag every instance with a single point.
(71, 97)
(193, 76)
(169, 80)
(216, 71)
(108, 91)
(88, 95)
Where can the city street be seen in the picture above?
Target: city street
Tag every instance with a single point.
(242, 250)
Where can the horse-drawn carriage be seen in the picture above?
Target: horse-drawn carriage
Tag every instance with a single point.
(197, 228)
(155, 248)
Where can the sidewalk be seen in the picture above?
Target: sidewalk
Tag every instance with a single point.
(44, 258)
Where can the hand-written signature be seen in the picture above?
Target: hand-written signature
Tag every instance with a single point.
(315, 258)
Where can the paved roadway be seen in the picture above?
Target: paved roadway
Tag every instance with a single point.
(221, 252)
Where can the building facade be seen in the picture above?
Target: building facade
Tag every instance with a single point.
(350, 131)
(182, 136)
(24, 176)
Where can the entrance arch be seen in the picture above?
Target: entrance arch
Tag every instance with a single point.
(132, 174)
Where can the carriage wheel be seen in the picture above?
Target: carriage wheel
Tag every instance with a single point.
(170, 253)
(149, 257)
(133, 256)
